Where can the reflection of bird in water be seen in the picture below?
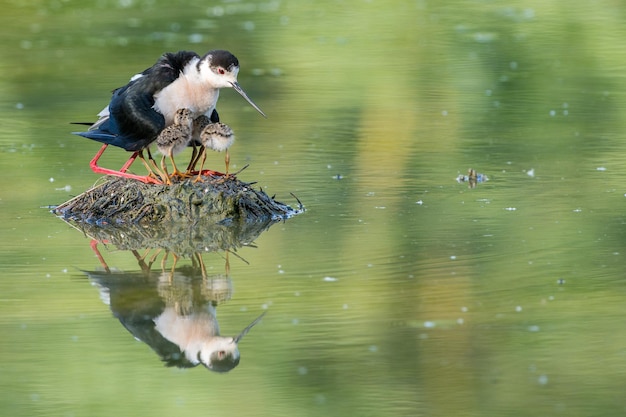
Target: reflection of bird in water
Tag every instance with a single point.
(172, 314)
(142, 108)
(197, 336)
(174, 138)
(218, 137)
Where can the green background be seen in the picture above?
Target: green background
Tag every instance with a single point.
(400, 292)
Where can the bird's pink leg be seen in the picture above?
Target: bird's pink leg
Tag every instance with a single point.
(211, 173)
(129, 162)
(122, 172)
(94, 161)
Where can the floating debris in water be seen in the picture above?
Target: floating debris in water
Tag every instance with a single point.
(472, 178)
(330, 279)
(531, 173)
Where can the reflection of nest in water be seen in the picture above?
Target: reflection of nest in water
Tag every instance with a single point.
(183, 218)
(181, 239)
(124, 201)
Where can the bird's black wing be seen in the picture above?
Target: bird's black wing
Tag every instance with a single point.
(133, 123)
(169, 66)
(132, 106)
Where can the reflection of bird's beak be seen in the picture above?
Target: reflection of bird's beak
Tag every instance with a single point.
(238, 89)
(247, 329)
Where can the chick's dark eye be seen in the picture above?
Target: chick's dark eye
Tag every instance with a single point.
(221, 71)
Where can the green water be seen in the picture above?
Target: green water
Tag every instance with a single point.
(400, 292)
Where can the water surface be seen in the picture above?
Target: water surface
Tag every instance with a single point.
(400, 292)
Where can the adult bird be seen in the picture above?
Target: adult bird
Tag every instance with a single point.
(141, 109)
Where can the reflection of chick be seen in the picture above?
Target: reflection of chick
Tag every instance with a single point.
(177, 291)
(174, 138)
(218, 137)
(180, 291)
(217, 289)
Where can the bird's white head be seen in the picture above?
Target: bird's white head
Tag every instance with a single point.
(221, 354)
(220, 69)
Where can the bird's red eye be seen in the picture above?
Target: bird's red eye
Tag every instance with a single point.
(221, 71)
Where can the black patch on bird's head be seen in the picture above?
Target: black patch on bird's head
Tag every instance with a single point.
(221, 361)
(221, 58)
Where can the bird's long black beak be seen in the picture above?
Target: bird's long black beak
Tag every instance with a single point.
(247, 329)
(238, 89)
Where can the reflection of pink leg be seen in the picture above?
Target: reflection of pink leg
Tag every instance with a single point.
(122, 172)
(94, 247)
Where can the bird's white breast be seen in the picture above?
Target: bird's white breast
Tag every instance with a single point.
(189, 332)
(188, 91)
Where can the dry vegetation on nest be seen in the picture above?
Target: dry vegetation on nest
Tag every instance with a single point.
(214, 200)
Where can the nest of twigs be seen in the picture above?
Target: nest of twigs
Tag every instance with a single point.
(224, 200)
